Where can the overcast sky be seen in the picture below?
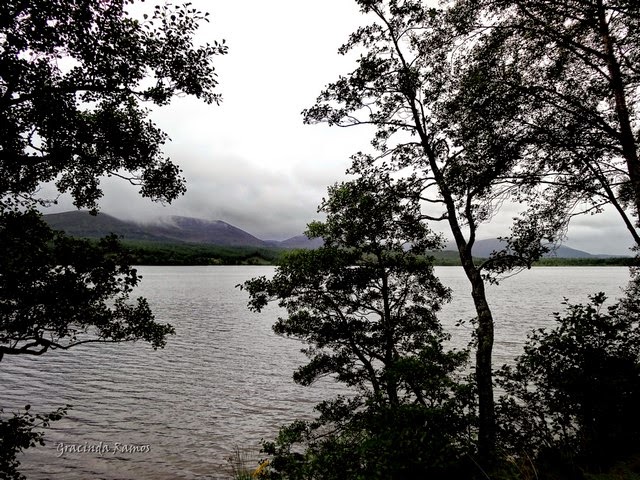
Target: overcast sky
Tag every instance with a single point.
(251, 162)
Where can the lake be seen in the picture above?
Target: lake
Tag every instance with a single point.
(224, 380)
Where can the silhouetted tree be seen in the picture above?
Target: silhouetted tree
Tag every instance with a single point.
(74, 80)
(572, 69)
(408, 84)
(365, 305)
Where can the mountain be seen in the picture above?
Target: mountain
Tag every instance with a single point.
(79, 223)
(177, 229)
(483, 249)
(196, 230)
(173, 229)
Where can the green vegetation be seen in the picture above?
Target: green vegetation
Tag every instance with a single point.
(77, 82)
(571, 399)
(153, 253)
(19, 432)
(242, 463)
(451, 258)
(365, 306)
(586, 262)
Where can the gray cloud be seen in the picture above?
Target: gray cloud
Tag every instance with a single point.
(251, 161)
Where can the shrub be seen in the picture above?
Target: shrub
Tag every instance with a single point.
(572, 398)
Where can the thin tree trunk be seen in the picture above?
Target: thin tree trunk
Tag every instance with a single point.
(484, 369)
(484, 330)
(627, 139)
(484, 349)
(390, 380)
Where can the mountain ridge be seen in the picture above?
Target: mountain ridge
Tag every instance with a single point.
(171, 229)
(190, 230)
(484, 247)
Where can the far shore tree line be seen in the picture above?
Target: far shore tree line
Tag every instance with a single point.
(196, 254)
(475, 104)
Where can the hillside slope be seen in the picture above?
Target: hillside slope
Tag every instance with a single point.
(188, 230)
(175, 229)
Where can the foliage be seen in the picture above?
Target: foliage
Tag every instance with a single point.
(363, 439)
(572, 397)
(481, 102)
(20, 432)
(408, 84)
(363, 292)
(586, 262)
(239, 462)
(74, 78)
(365, 305)
(57, 292)
(153, 253)
(570, 70)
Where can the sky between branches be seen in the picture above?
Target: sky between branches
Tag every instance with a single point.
(251, 162)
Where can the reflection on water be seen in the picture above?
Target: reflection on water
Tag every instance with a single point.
(224, 380)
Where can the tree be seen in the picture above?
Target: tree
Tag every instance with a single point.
(573, 69)
(572, 396)
(18, 433)
(57, 292)
(409, 84)
(365, 305)
(75, 76)
(570, 69)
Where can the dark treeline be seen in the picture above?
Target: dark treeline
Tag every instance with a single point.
(152, 253)
(148, 253)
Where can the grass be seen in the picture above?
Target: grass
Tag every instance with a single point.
(246, 464)
(627, 470)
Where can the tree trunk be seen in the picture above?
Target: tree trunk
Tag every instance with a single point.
(484, 351)
(627, 139)
(484, 330)
(389, 329)
(484, 370)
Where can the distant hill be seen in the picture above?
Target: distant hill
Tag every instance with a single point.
(188, 230)
(173, 229)
(483, 249)
(80, 223)
(195, 230)
(301, 241)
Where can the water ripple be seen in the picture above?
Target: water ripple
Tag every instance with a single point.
(224, 379)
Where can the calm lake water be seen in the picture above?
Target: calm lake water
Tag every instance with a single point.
(224, 380)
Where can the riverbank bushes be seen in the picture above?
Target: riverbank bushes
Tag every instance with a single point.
(569, 411)
(571, 399)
